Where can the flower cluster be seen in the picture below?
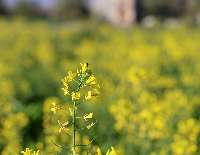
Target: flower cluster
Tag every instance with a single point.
(80, 86)
(81, 79)
(185, 140)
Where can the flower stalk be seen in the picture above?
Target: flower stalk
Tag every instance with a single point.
(81, 86)
(74, 128)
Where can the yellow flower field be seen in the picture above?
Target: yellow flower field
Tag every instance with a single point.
(149, 81)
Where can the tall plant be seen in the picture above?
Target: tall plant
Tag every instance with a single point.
(81, 86)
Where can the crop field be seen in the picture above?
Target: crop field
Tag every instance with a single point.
(148, 81)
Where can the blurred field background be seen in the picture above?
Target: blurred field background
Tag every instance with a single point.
(145, 55)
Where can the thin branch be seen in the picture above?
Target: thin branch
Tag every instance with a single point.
(86, 144)
(74, 127)
(60, 146)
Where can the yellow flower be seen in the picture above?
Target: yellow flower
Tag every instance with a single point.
(66, 87)
(29, 152)
(99, 151)
(91, 80)
(89, 95)
(84, 67)
(111, 152)
(63, 126)
(54, 108)
(90, 125)
(26, 152)
(88, 116)
(70, 76)
(76, 95)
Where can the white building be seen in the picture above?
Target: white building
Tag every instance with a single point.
(120, 12)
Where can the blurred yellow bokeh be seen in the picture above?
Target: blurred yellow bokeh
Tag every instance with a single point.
(149, 81)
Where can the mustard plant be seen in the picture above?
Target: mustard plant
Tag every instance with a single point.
(80, 86)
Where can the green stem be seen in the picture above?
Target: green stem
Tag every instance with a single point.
(74, 124)
(74, 128)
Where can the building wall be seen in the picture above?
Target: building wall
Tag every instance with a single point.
(120, 12)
